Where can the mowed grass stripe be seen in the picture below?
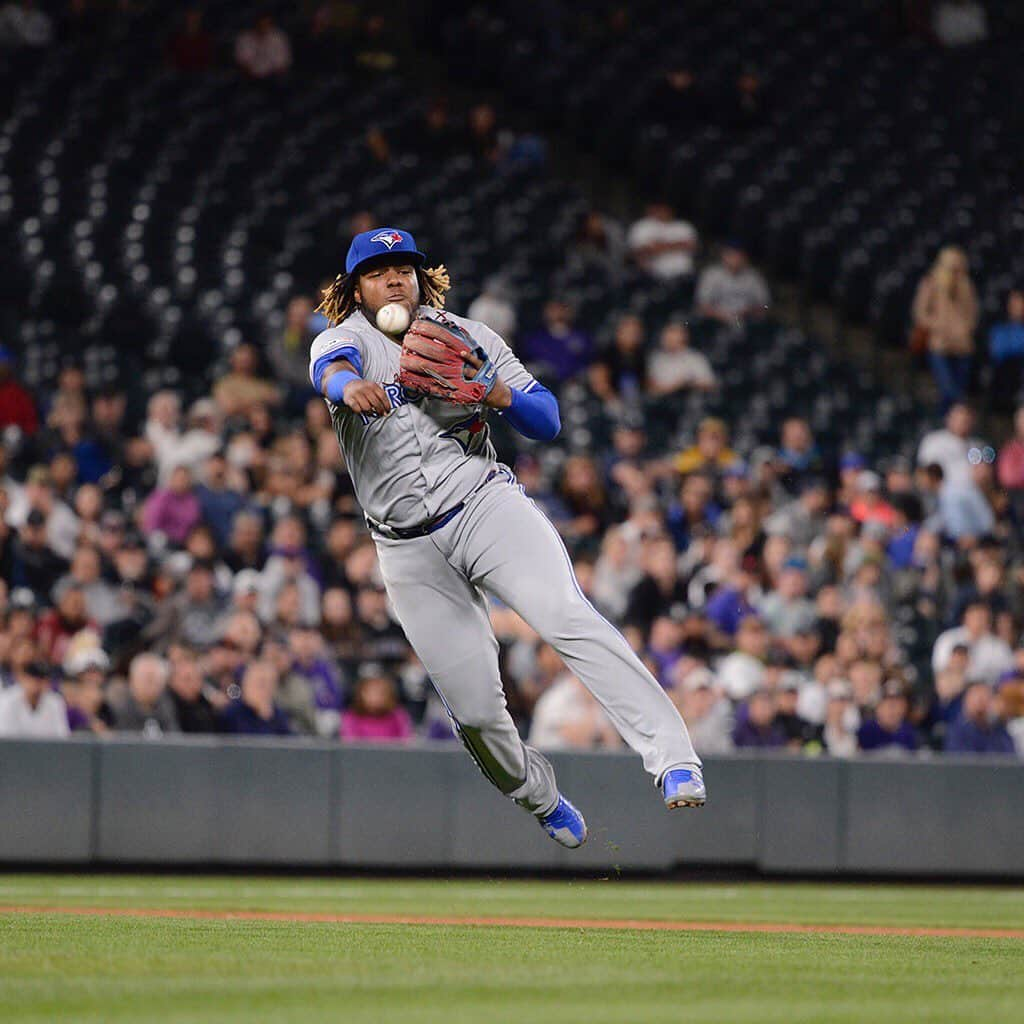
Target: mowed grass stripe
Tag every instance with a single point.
(187, 971)
(885, 905)
(777, 928)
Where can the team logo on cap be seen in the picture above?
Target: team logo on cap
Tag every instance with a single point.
(388, 238)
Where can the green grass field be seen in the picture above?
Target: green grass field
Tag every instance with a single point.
(61, 966)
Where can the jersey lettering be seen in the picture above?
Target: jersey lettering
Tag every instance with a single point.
(397, 396)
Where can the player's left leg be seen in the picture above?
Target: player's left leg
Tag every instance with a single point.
(512, 550)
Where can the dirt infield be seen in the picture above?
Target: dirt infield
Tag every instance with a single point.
(525, 922)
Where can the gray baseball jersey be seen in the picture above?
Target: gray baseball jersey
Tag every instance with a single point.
(427, 454)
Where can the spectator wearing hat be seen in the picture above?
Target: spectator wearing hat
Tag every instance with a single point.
(144, 705)
(30, 708)
(136, 602)
(731, 290)
(977, 729)
(39, 494)
(255, 712)
(85, 674)
(34, 564)
(868, 504)
(246, 590)
(17, 408)
(906, 525)
(797, 730)
(889, 729)
(756, 726)
(375, 713)
(662, 245)
(988, 655)
(842, 720)
(741, 672)
(786, 609)
(707, 713)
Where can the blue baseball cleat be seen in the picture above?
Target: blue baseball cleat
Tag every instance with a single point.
(564, 824)
(683, 787)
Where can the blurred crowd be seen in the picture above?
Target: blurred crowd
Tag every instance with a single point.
(206, 569)
(197, 562)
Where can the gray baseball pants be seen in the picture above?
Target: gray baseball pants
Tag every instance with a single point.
(502, 544)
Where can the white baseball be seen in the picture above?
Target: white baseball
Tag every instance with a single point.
(393, 318)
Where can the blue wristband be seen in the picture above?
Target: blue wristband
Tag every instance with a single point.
(337, 383)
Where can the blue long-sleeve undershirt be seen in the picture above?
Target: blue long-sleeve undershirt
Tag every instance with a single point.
(534, 413)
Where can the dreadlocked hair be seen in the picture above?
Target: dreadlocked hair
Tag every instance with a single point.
(338, 299)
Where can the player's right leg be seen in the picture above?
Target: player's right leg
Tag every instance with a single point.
(515, 552)
(445, 618)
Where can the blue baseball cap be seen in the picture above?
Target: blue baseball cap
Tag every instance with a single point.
(380, 243)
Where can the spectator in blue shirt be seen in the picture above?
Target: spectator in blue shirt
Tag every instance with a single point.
(731, 603)
(889, 728)
(255, 713)
(757, 726)
(906, 526)
(557, 346)
(977, 730)
(1006, 350)
(218, 502)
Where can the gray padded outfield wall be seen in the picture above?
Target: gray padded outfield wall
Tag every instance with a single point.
(270, 802)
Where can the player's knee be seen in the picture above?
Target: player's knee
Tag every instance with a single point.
(567, 620)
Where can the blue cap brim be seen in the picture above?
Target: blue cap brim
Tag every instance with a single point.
(385, 259)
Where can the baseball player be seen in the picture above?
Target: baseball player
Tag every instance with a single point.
(452, 525)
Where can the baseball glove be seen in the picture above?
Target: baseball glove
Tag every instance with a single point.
(440, 359)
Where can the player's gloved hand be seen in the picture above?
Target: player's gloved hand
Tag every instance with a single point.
(441, 359)
(364, 396)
